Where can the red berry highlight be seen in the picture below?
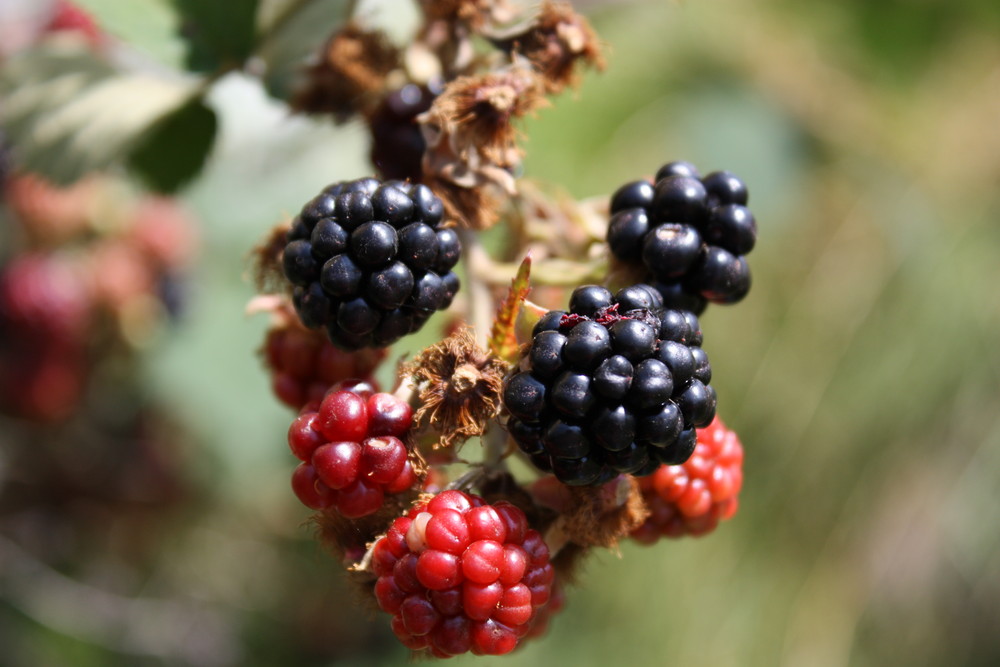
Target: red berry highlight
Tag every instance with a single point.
(691, 498)
(355, 471)
(462, 594)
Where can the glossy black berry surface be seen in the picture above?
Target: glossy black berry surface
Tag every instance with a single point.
(610, 386)
(687, 234)
(370, 261)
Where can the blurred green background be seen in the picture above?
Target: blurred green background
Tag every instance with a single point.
(861, 373)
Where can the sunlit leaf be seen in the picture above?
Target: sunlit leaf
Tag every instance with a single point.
(149, 26)
(67, 113)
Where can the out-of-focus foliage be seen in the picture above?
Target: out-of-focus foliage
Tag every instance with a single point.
(862, 372)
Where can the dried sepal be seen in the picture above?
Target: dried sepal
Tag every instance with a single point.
(476, 206)
(458, 386)
(348, 75)
(592, 515)
(471, 139)
(475, 113)
(472, 14)
(552, 223)
(265, 266)
(556, 41)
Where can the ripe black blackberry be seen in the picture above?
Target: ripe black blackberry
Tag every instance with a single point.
(690, 232)
(616, 385)
(370, 261)
(397, 147)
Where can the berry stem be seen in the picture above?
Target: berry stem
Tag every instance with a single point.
(482, 311)
(477, 293)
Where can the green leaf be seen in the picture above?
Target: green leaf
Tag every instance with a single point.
(294, 31)
(149, 26)
(219, 34)
(67, 113)
(175, 149)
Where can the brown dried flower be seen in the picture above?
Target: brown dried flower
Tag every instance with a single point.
(591, 516)
(559, 39)
(473, 13)
(266, 268)
(474, 114)
(459, 387)
(349, 75)
(477, 207)
(471, 139)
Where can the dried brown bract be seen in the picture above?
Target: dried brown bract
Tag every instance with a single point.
(598, 516)
(473, 13)
(475, 114)
(477, 207)
(350, 74)
(459, 387)
(556, 42)
(268, 276)
(471, 138)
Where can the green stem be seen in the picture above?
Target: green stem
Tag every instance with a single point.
(482, 311)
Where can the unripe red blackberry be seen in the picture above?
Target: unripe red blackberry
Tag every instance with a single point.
(691, 498)
(352, 453)
(43, 295)
(45, 316)
(689, 232)
(459, 575)
(370, 261)
(617, 385)
(304, 364)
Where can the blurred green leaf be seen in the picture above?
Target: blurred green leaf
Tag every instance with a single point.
(149, 26)
(219, 34)
(176, 148)
(295, 31)
(68, 113)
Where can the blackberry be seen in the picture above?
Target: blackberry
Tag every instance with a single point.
(397, 147)
(616, 385)
(370, 262)
(689, 233)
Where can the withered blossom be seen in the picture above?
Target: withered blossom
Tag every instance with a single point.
(459, 387)
(471, 139)
(600, 516)
(349, 75)
(473, 13)
(558, 39)
(475, 114)
(268, 276)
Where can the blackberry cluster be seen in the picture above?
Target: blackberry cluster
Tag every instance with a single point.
(617, 385)
(690, 233)
(370, 261)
